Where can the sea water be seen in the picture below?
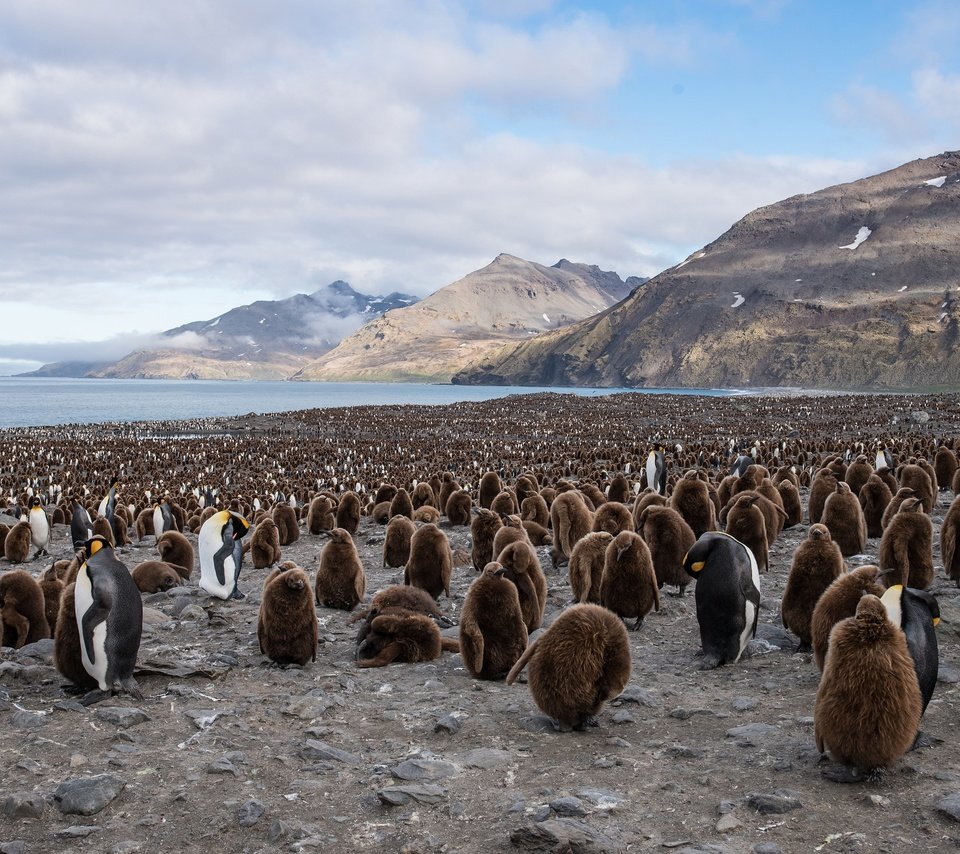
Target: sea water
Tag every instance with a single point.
(41, 401)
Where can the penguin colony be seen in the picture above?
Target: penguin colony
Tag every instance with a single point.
(700, 484)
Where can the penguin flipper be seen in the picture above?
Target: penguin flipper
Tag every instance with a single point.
(471, 647)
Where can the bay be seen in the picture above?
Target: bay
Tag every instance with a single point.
(46, 401)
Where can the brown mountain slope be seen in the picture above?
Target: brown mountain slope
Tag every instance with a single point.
(507, 300)
(854, 286)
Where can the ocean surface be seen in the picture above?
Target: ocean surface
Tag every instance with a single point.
(40, 401)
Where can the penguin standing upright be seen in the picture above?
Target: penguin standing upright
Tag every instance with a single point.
(221, 554)
(81, 527)
(109, 615)
(727, 596)
(108, 504)
(39, 527)
(657, 470)
(917, 612)
(162, 518)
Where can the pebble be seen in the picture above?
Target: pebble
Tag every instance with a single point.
(641, 696)
(315, 750)
(749, 735)
(128, 846)
(602, 799)
(23, 805)
(419, 770)
(568, 806)
(728, 822)
(78, 831)
(41, 649)
(950, 806)
(122, 717)
(947, 675)
(767, 848)
(422, 793)
(451, 722)
(223, 766)
(486, 757)
(192, 612)
(16, 846)
(202, 718)
(777, 802)
(623, 717)
(87, 795)
(744, 704)
(250, 812)
(563, 834)
(21, 719)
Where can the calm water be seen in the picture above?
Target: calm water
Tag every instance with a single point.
(36, 401)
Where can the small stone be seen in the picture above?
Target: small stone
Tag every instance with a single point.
(250, 812)
(950, 806)
(21, 719)
(681, 751)
(777, 802)
(563, 834)
(312, 705)
(623, 717)
(602, 799)
(23, 805)
(122, 717)
(78, 831)
(314, 750)
(879, 801)
(450, 723)
(776, 636)
(728, 822)
(568, 806)
(128, 846)
(486, 757)
(422, 793)
(744, 704)
(223, 766)
(750, 735)
(767, 848)
(641, 696)
(202, 718)
(726, 807)
(41, 649)
(947, 675)
(87, 795)
(17, 846)
(193, 612)
(418, 770)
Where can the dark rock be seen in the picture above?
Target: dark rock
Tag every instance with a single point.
(450, 723)
(641, 696)
(23, 805)
(41, 649)
(947, 675)
(749, 735)
(568, 806)
(223, 766)
(87, 795)
(250, 812)
(78, 831)
(949, 806)
(418, 770)
(314, 750)
(21, 719)
(623, 717)
(563, 834)
(744, 704)
(422, 793)
(122, 717)
(16, 846)
(776, 636)
(777, 802)
(486, 757)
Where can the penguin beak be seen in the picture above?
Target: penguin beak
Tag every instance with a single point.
(500, 572)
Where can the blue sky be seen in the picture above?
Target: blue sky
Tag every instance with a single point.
(162, 163)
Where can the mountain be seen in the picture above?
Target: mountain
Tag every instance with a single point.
(510, 299)
(856, 286)
(268, 339)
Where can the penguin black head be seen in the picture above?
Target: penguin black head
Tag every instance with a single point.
(35, 501)
(93, 545)
(696, 559)
(240, 526)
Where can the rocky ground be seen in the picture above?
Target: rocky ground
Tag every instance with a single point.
(228, 752)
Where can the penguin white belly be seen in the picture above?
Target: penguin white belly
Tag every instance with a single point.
(652, 472)
(102, 507)
(83, 602)
(881, 462)
(749, 609)
(157, 522)
(39, 528)
(209, 581)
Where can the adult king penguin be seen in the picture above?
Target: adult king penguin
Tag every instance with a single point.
(917, 612)
(657, 470)
(162, 518)
(221, 554)
(39, 527)
(109, 620)
(81, 527)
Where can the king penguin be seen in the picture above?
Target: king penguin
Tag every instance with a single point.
(109, 503)
(657, 470)
(917, 612)
(39, 527)
(162, 518)
(221, 554)
(109, 620)
(81, 527)
(727, 596)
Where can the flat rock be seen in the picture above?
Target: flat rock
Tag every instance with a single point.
(568, 806)
(78, 831)
(87, 795)
(641, 696)
(22, 719)
(563, 834)
(23, 805)
(41, 649)
(315, 749)
(602, 799)
(950, 806)
(122, 717)
(749, 735)
(422, 793)
(777, 802)
(250, 812)
(486, 757)
(419, 770)
(776, 636)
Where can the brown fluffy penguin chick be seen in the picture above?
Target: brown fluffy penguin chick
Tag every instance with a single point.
(447, 487)
(629, 584)
(907, 547)
(423, 496)
(155, 576)
(176, 549)
(874, 497)
(396, 542)
(341, 581)
(22, 609)
(945, 467)
(459, 506)
(381, 513)
(348, 512)
(893, 507)
(287, 623)
(669, 538)
(613, 517)
(745, 523)
(571, 521)
(792, 506)
(537, 534)
(858, 473)
(403, 636)
(401, 505)
(534, 509)
(586, 566)
(399, 596)
(867, 711)
(838, 602)
(644, 500)
(490, 488)
(483, 529)
(691, 499)
(52, 588)
(66, 645)
(523, 569)
(320, 516)
(824, 484)
(843, 515)
(493, 633)
(510, 531)
(143, 526)
(920, 482)
(427, 513)
(385, 492)
(817, 563)
(431, 561)
(288, 527)
(16, 545)
(505, 502)
(619, 489)
(265, 544)
(950, 541)
(576, 665)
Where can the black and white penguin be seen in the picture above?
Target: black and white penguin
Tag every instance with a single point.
(81, 526)
(39, 527)
(108, 504)
(162, 518)
(109, 619)
(657, 470)
(884, 459)
(741, 463)
(917, 612)
(221, 554)
(727, 596)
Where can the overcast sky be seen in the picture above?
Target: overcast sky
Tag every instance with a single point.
(164, 162)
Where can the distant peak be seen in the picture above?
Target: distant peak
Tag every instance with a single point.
(339, 287)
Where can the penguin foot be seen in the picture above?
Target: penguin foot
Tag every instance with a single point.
(845, 775)
(71, 690)
(561, 726)
(95, 696)
(925, 740)
(444, 621)
(637, 624)
(587, 722)
(710, 662)
(237, 594)
(132, 688)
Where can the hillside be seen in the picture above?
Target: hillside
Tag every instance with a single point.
(854, 286)
(508, 300)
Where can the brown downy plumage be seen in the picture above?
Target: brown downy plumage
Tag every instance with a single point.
(817, 563)
(493, 633)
